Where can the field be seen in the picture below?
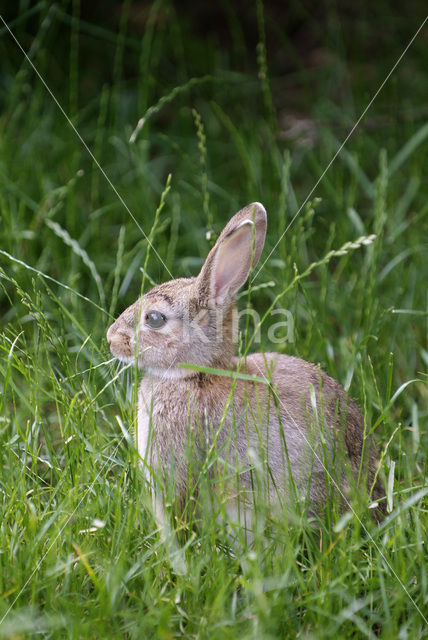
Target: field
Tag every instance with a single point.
(128, 137)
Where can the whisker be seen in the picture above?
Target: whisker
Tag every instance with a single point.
(96, 366)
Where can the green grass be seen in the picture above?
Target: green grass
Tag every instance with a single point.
(80, 555)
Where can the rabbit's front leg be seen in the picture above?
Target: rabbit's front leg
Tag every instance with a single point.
(144, 435)
(144, 445)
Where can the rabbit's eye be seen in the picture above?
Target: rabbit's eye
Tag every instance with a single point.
(155, 319)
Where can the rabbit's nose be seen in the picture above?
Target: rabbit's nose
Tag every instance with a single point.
(120, 344)
(110, 333)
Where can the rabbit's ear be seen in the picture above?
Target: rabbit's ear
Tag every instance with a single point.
(229, 262)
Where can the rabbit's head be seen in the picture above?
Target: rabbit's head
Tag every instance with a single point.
(191, 320)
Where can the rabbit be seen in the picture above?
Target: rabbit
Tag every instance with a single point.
(301, 424)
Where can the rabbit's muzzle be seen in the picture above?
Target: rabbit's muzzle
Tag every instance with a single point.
(120, 343)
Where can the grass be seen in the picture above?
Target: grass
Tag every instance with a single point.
(80, 555)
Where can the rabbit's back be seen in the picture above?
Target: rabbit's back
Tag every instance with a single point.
(320, 426)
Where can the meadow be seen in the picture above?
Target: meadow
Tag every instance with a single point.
(127, 140)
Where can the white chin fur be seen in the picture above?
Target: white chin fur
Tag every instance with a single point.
(124, 359)
(170, 374)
